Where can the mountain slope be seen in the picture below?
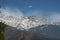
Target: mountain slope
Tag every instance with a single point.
(12, 33)
(52, 31)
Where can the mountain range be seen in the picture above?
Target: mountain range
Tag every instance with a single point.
(33, 24)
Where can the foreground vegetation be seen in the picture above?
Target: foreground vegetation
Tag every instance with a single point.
(2, 29)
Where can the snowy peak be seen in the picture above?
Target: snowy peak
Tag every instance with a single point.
(24, 22)
(33, 21)
(38, 20)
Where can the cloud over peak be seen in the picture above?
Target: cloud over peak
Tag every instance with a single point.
(54, 17)
(8, 11)
(11, 12)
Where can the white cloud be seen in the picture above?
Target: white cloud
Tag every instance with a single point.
(54, 17)
(30, 6)
(11, 12)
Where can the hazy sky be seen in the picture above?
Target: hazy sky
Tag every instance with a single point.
(46, 8)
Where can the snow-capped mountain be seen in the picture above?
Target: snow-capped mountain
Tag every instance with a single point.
(32, 24)
(24, 22)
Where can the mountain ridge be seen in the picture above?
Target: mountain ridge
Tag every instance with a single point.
(24, 22)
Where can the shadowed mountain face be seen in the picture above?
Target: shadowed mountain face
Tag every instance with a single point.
(52, 31)
(48, 33)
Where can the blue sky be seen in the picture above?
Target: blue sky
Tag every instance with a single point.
(45, 8)
(45, 5)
